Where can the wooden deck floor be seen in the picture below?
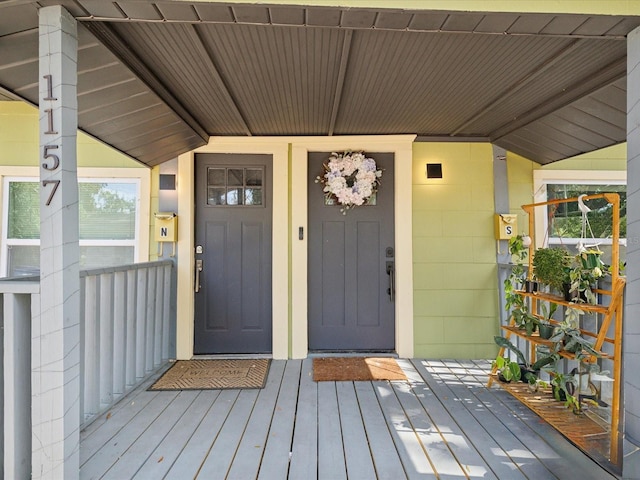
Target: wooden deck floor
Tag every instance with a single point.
(443, 423)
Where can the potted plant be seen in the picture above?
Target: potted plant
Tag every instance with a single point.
(519, 249)
(545, 327)
(508, 371)
(551, 266)
(528, 371)
(569, 337)
(563, 386)
(515, 303)
(588, 269)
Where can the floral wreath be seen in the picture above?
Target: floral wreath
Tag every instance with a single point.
(350, 178)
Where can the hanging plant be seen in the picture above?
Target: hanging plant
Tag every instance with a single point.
(350, 178)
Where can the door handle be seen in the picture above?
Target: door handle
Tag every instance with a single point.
(199, 266)
(391, 291)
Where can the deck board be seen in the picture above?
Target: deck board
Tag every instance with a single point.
(164, 456)
(460, 404)
(254, 440)
(195, 451)
(275, 462)
(442, 423)
(138, 453)
(383, 450)
(304, 450)
(407, 444)
(494, 441)
(102, 460)
(331, 456)
(222, 453)
(357, 454)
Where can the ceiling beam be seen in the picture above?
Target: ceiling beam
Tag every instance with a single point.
(612, 72)
(110, 39)
(344, 60)
(205, 54)
(517, 86)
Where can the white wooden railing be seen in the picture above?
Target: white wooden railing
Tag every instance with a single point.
(19, 299)
(127, 330)
(127, 333)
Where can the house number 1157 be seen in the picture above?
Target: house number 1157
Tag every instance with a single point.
(51, 161)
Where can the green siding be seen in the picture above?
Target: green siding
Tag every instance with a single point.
(455, 279)
(610, 158)
(19, 140)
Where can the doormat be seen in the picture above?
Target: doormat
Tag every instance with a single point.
(339, 369)
(214, 375)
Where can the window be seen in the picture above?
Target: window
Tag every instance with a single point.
(108, 214)
(234, 186)
(562, 224)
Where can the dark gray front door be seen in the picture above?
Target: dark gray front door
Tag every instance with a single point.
(350, 305)
(233, 245)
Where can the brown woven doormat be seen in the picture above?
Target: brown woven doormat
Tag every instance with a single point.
(214, 375)
(338, 369)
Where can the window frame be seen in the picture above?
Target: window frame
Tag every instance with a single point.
(542, 178)
(139, 177)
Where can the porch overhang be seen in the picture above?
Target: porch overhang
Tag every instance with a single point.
(157, 79)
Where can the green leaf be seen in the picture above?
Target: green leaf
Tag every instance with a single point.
(503, 342)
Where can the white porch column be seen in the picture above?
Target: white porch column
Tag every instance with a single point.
(56, 327)
(631, 342)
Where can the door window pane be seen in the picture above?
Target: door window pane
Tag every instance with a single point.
(254, 177)
(234, 196)
(243, 186)
(217, 196)
(216, 176)
(253, 196)
(235, 177)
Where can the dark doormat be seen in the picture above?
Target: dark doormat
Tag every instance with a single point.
(338, 369)
(214, 375)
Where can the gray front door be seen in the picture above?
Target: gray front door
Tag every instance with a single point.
(233, 248)
(350, 291)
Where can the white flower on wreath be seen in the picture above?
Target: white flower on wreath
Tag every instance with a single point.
(350, 178)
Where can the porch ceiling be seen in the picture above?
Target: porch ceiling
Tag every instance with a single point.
(157, 78)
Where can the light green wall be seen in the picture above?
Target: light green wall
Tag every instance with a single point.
(610, 158)
(454, 256)
(19, 140)
(454, 252)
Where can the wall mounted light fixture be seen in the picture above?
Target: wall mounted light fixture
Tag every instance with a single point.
(434, 170)
(167, 182)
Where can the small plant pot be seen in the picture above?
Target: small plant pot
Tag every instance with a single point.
(530, 286)
(560, 393)
(524, 371)
(546, 330)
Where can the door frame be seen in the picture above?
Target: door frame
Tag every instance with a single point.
(289, 253)
(278, 148)
(402, 148)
